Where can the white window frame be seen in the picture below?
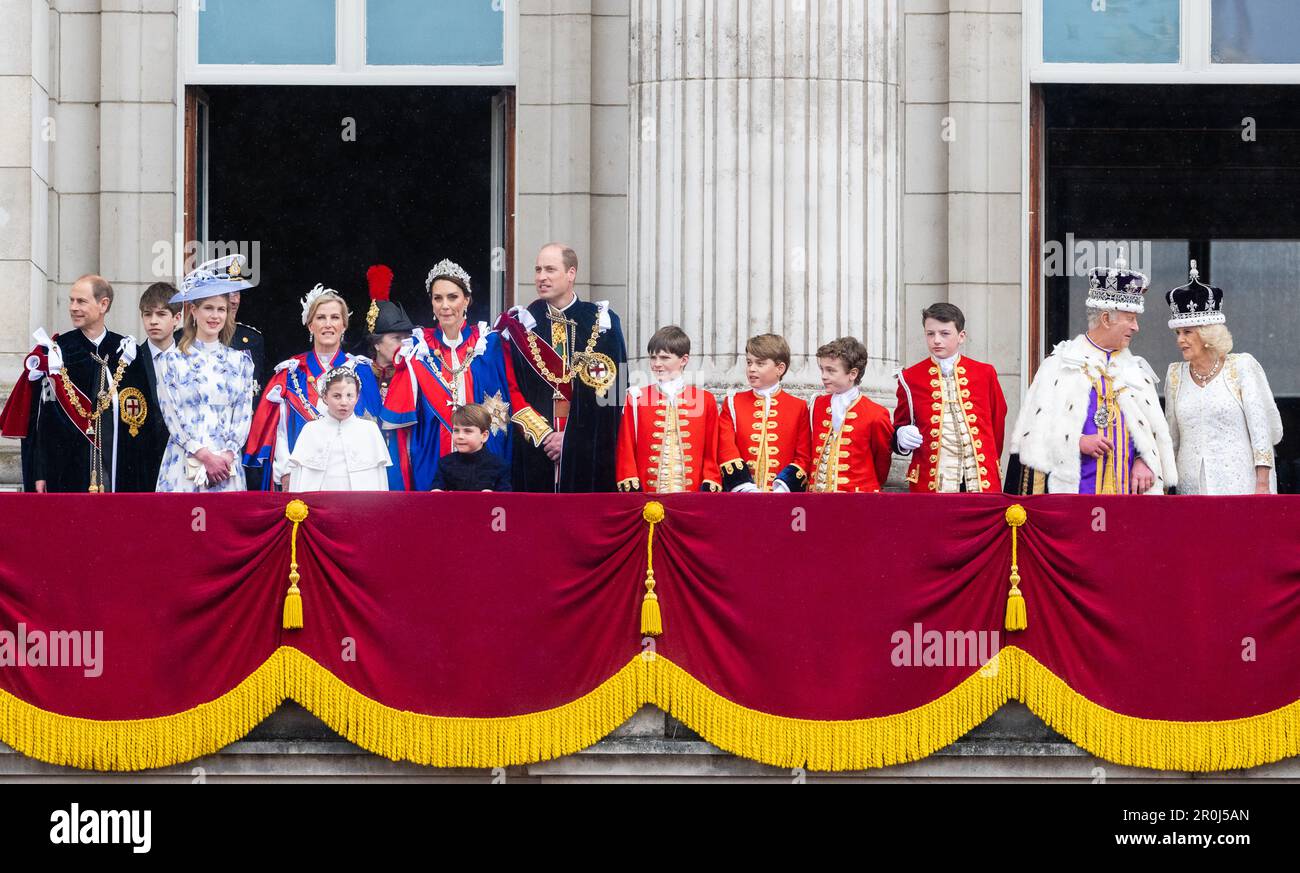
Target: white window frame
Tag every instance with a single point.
(349, 67)
(1194, 66)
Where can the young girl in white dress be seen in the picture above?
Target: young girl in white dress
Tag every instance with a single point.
(339, 451)
(1222, 417)
(205, 389)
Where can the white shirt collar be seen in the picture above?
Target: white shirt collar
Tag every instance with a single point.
(840, 404)
(947, 365)
(96, 340)
(769, 391)
(567, 306)
(672, 387)
(157, 350)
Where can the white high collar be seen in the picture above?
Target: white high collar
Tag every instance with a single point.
(768, 392)
(947, 365)
(565, 307)
(336, 426)
(672, 388)
(841, 403)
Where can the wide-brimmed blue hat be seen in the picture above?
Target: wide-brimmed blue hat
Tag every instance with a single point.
(219, 276)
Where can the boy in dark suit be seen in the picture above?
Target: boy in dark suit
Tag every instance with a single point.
(160, 318)
(469, 467)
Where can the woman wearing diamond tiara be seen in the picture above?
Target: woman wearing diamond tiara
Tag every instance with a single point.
(443, 368)
(1222, 416)
(292, 397)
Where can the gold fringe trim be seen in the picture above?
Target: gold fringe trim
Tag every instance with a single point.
(442, 741)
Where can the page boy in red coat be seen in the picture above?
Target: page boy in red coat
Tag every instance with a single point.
(851, 434)
(668, 437)
(951, 408)
(763, 439)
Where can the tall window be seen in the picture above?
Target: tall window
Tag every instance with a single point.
(350, 42)
(1163, 40)
(1167, 173)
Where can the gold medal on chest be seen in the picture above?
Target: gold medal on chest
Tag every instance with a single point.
(596, 370)
(133, 408)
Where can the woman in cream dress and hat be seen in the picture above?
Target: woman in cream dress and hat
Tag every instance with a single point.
(1221, 413)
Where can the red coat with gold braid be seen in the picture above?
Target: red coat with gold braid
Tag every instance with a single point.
(856, 457)
(665, 447)
(763, 442)
(984, 419)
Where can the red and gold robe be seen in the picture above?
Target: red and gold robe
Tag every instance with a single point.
(763, 440)
(855, 457)
(981, 424)
(667, 445)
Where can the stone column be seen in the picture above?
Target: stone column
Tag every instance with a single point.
(25, 87)
(24, 176)
(571, 128)
(137, 163)
(764, 179)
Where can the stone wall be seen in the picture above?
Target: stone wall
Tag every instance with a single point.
(571, 135)
(963, 176)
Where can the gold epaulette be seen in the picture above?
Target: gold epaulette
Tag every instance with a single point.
(534, 426)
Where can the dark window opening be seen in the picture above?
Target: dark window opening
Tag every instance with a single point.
(1175, 173)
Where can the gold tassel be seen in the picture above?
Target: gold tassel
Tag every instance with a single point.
(296, 512)
(652, 623)
(1017, 616)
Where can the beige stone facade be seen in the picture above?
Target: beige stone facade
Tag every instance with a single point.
(813, 167)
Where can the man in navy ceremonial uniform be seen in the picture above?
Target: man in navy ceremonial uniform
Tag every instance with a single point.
(83, 404)
(570, 362)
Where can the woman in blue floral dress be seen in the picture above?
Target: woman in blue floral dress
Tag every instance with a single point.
(205, 390)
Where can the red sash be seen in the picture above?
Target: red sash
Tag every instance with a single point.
(82, 422)
(551, 359)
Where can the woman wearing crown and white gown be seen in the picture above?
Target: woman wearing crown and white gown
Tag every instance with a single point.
(442, 368)
(1222, 416)
(293, 395)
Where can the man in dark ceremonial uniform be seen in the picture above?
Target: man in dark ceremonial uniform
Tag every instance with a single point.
(83, 404)
(250, 341)
(570, 363)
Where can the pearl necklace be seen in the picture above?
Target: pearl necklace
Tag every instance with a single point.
(1204, 379)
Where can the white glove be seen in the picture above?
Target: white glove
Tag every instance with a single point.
(909, 438)
(195, 471)
(779, 487)
(746, 488)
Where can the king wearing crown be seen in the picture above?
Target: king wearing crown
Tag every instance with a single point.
(1091, 422)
